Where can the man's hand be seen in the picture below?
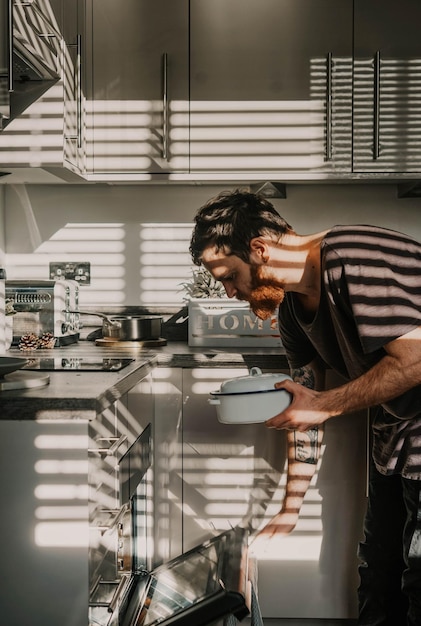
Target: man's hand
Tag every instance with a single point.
(282, 523)
(303, 412)
(397, 372)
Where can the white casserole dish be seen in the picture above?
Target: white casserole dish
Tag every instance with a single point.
(250, 399)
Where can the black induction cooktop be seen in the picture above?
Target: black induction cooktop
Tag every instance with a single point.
(74, 363)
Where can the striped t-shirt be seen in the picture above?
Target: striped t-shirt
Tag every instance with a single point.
(370, 295)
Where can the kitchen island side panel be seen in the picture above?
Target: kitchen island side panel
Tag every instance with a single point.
(44, 537)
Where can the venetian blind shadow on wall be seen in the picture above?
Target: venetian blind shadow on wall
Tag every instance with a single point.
(131, 264)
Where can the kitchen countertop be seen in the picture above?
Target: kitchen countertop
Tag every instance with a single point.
(81, 395)
(176, 354)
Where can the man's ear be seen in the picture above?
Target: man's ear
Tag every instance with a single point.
(259, 250)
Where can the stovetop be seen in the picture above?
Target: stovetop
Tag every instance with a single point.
(80, 364)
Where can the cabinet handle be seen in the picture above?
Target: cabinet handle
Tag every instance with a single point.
(376, 125)
(329, 107)
(113, 448)
(78, 46)
(165, 129)
(79, 90)
(10, 42)
(115, 517)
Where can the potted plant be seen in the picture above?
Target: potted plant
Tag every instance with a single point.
(203, 285)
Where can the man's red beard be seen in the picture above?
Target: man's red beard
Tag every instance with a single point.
(264, 296)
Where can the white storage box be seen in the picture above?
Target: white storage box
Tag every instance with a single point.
(229, 322)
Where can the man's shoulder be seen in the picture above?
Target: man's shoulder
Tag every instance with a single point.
(366, 235)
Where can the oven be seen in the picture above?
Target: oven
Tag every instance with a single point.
(193, 589)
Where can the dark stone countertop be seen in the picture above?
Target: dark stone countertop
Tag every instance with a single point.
(73, 394)
(81, 395)
(176, 354)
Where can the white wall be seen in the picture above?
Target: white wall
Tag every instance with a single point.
(136, 237)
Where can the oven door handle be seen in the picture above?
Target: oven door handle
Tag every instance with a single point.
(120, 589)
(118, 592)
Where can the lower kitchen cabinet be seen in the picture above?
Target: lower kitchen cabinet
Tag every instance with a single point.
(66, 530)
(66, 525)
(235, 474)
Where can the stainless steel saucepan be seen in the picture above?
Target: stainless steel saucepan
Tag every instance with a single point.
(129, 327)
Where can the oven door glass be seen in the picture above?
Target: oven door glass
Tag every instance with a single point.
(193, 589)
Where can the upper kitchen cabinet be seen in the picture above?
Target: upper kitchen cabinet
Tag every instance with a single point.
(31, 98)
(137, 88)
(41, 114)
(73, 38)
(387, 86)
(30, 44)
(271, 87)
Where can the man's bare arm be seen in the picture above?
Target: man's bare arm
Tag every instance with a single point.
(398, 371)
(303, 454)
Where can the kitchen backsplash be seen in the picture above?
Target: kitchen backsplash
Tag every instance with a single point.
(136, 237)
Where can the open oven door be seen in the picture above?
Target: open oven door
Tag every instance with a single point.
(199, 587)
(194, 589)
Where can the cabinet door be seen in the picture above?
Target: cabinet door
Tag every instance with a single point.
(73, 35)
(138, 94)
(271, 86)
(230, 471)
(33, 127)
(235, 474)
(387, 92)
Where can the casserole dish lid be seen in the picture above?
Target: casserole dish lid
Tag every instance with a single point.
(254, 382)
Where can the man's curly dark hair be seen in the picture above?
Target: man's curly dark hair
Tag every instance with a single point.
(231, 220)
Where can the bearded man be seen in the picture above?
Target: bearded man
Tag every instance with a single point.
(348, 299)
